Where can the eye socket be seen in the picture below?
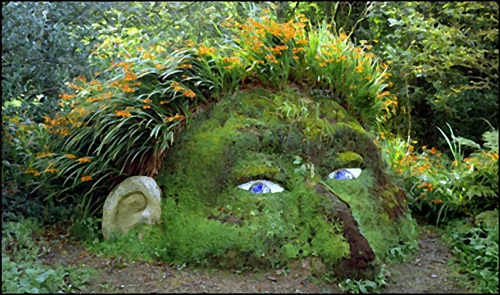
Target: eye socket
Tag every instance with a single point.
(261, 187)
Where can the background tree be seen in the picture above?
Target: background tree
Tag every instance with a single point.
(445, 64)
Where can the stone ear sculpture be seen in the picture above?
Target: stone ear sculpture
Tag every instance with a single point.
(134, 201)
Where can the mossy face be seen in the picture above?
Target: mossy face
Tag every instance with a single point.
(290, 139)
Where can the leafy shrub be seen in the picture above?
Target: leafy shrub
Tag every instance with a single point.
(366, 286)
(440, 185)
(275, 54)
(41, 49)
(445, 55)
(476, 250)
(23, 272)
(22, 139)
(99, 128)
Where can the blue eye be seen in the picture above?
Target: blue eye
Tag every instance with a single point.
(259, 188)
(344, 174)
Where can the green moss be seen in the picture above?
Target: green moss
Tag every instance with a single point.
(259, 134)
(382, 232)
(350, 159)
(256, 165)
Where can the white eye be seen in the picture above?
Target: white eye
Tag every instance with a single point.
(261, 187)
(345, 173)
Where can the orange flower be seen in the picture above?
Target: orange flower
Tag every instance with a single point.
(84, 160)
(72, 85)
(149, 56)
(231, 59)
(122, 114)
(177, 116)
(146, 106)
(67, 96)
(189, 93)
(205, 50)
(32, 171)
(51, 170)
(130, 77)
(359, 68)
(127, 88)
(159, 66)
(81, 79)
(43, 155)
(70, 156)
(384, 93)
(92, 99)
(86, 178)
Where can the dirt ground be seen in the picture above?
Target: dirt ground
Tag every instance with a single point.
(426, 272)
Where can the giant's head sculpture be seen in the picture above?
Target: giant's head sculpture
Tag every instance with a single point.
(293, 140)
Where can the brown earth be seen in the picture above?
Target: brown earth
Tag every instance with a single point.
(427, 271)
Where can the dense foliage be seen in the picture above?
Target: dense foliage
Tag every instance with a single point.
(95, 92)
(475, 245)
(461, 186)
(445, 65)
(22, 269)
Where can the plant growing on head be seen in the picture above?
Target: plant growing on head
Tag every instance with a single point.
(119, 126)
(277, 54)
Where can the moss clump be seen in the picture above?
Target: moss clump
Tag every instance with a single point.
(350, 159)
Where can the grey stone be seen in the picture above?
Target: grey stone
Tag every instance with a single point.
(134, 201)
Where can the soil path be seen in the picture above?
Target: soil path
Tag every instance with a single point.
(426, 272)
